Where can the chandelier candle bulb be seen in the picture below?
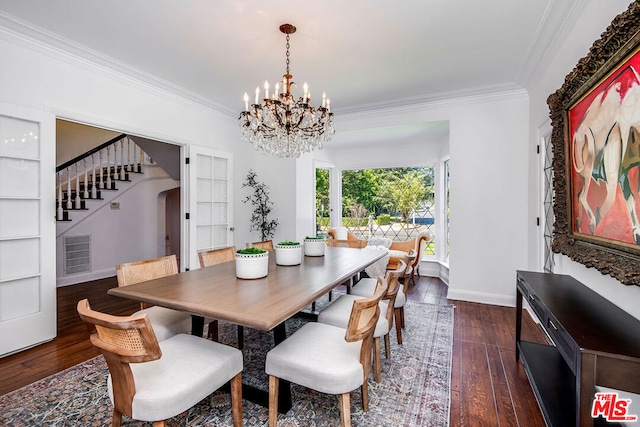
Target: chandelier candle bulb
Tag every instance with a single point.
(266, 89)
(324, 99)
(257, 96)
(246, 101)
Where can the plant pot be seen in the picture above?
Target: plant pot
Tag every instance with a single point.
(288, 254)
(252, 266)
(314, 247)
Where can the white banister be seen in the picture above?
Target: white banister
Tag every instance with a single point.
(69, 205)
(76, 200)
(94, 192)
(122, 171)
(86, 179)
(108, 171)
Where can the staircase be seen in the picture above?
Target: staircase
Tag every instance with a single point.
(96, 172)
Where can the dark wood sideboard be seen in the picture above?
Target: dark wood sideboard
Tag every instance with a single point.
(592, 342)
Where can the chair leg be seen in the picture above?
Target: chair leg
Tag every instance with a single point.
(387, 346)
(365, 396)
(345, 409)
(377, 375)
(162, 423)
(402, 317)
(213, 331)
(117, 418)
(273, 400)
(236, 399)
(398, 321)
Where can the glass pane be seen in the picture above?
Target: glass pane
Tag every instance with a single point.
(204, 238)
(394, 203)
(19, 138)
(19, 258)
(220, 235)
(204, 166)
(19, 178)
(220, 191)
(204, 216)
(204, 190)
(19, 218)
(19, 298)
(220, 168)
(219, 213)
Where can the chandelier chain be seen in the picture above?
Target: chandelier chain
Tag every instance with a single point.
(288, 62)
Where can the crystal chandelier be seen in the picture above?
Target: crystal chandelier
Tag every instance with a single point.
(282, 126)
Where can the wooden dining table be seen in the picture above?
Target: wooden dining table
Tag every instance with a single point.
(265, 304)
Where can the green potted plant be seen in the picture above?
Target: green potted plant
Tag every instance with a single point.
(314, 246)
(288, 253)
(252, 263)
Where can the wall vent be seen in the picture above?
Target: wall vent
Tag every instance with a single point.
(77, 255)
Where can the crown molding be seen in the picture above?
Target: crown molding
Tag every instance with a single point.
(465, 96)
(18, 31)
(545, 42)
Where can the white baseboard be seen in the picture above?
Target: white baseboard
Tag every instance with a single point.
(481, 297)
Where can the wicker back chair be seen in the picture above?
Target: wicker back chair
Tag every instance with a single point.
(217, 256)
(336, 243)
(166, 322)
(266, 245)
(321, 357)
(186, 368)
(338, 312)
(214, 257)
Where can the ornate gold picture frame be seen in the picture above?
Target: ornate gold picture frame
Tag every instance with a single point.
(595, 117)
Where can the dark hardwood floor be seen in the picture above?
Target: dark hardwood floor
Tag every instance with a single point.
(488, 387)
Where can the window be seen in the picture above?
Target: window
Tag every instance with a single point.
(397, 203)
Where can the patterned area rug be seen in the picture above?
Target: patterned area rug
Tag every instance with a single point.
(415, 387)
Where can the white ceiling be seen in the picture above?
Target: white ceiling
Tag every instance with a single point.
(365, 54)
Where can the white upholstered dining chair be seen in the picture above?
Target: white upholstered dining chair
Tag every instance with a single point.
(166, 322)
(366, 286)
(338, 312)
(327, 358)
(154, 381)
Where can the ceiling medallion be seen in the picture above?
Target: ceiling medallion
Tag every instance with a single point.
(282, 126)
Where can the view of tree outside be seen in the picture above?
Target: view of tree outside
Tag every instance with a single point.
(396, 203)
(323, 208)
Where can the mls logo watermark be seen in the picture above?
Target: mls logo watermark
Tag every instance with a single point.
(609, 406)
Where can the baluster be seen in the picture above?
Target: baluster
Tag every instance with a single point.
(128, 155)
(115, 161)
(76, 200)
(140, 154)
(108, 171)
(60, 211)
(122, 174)
(69, 206)
(100, 165)
(94, 192)
(86, 179)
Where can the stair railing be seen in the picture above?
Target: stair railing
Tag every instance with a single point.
(86, 178)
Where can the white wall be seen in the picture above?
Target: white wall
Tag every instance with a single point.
(592, 20)
(131, 233)
(488, 147)
(43, 78)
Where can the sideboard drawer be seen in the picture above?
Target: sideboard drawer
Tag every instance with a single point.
(563, 341)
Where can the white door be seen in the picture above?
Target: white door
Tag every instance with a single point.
(27, 228)
(210, 201)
